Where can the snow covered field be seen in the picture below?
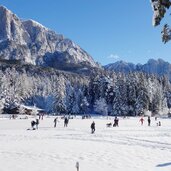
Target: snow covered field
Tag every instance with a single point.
(129, 147)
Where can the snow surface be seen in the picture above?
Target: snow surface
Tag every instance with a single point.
(129, 147)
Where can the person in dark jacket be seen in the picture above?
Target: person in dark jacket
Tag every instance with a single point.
(37, 123)
(116, 122)
(66, 120)
(159, 123)
(33, 123)
(93, 127)
(77, 166)
(55, 121)
(149, 121)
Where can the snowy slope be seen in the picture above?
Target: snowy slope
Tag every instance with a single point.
(130, 147)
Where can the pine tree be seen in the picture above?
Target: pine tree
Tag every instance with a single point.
(100, 107)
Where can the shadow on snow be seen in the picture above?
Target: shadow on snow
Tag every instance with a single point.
(164, 165)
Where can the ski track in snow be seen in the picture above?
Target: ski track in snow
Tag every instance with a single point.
(129, 147)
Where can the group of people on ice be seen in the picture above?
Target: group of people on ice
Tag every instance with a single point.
(149, 121)
(35, 123)
(66, 121)
(115, 124)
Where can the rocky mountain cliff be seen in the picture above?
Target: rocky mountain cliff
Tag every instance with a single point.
(157, 67)
(30, 42)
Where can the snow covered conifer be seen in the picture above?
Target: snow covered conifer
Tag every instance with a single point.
(159, 8)
(100, 106)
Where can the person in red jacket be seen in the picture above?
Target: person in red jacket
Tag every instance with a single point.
(142, 120)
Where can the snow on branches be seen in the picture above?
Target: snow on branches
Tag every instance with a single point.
(166, 33)
(160, 7)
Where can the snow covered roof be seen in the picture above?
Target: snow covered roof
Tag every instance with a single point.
(31, 108)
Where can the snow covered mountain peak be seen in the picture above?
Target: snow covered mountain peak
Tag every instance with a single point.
(35, 24)
(153, 66)
(121, 66)
(11, 27)
(4, 9)
(31, 42)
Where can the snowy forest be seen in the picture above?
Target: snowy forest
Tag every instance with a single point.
(41, 68)
(102, 92)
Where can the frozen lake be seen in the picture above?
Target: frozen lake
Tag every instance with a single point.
(129, 147)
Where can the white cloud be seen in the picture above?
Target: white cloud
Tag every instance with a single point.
(113, 56)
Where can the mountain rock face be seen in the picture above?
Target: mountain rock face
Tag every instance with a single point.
(157, 67)
(121, 66)
(30, 42)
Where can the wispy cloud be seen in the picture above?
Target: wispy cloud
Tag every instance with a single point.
(113, 56)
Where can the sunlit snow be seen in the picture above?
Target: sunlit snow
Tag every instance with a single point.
(129, 147)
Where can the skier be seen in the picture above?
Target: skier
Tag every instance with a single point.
(142, 120)
(77, 166)
(149, 121)
(93, 127)
(55, 121)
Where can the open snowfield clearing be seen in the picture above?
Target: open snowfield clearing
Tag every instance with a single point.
(129, 147)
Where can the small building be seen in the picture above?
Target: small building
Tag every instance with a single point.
(30, 110)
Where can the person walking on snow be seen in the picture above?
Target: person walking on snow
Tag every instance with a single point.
(149, 121)
(93, 127)
(159, 123)
(42, 115)
(116, 122)
(37, 123)
(142, 120)
(33, 123)
(66, 120)
(77, 166)
(55, 121)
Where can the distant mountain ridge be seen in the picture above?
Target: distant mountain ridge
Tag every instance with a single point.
(31, 42)
(158, 67)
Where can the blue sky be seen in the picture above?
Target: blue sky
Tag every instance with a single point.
(109, 30)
